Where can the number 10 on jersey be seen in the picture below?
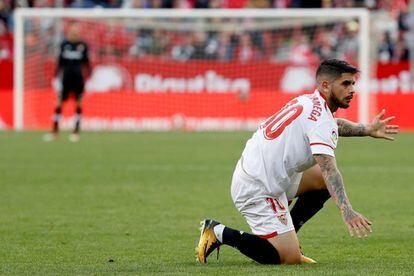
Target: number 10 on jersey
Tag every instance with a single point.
(276, 124)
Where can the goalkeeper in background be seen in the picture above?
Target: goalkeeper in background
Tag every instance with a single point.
(72, 68)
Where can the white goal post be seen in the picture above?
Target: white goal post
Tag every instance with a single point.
(20, 15)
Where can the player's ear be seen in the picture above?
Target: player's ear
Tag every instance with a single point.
(325, 85)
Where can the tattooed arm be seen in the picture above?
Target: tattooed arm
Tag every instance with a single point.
(377, 128)
(355, 222)
(348, 128)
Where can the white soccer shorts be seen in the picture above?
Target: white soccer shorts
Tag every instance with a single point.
(266, 215)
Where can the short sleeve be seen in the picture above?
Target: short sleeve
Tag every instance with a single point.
(323, 138)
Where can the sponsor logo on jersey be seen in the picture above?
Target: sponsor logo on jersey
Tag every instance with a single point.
(69, 54)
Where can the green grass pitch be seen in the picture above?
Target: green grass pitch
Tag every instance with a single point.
(137, 199)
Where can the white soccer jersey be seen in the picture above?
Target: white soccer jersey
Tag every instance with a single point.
(284, 144)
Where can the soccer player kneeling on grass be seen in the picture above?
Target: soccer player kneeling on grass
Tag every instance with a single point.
(292, 155)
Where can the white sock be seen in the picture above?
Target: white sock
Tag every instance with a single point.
(218, 231)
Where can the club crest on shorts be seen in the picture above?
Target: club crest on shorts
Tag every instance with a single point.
(282, 218)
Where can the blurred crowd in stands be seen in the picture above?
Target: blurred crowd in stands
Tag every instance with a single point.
(295, 44)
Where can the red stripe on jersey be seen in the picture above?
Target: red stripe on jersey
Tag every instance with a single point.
(271, 235)
(323, 144)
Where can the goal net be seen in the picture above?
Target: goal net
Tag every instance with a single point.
(184, 69)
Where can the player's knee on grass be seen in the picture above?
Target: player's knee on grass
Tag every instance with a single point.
(287, 246)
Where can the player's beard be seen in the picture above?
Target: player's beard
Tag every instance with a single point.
(337, 102)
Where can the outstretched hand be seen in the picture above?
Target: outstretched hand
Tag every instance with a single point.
(379, 128)
(357, 224)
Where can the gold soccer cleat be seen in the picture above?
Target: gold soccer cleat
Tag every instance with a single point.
(307, 260)
(208, 241)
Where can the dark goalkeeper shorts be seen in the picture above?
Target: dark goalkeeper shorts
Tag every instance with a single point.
(72, 85)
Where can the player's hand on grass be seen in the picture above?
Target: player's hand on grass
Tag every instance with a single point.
(357, 224)
(379, 128)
